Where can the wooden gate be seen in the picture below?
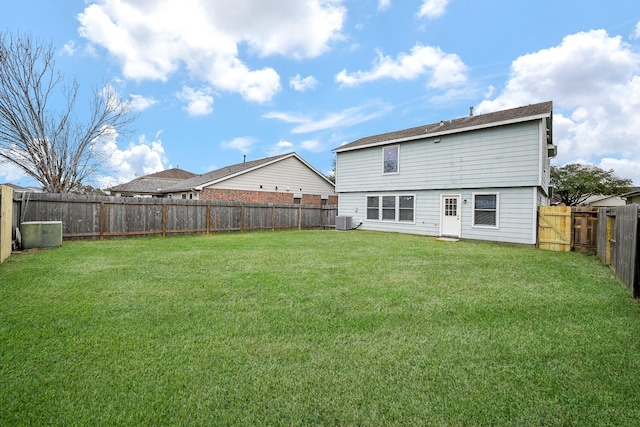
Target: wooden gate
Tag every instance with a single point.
(585, 233)
(554, 228)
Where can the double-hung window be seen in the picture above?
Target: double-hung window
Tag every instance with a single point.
(396, 208)
(391, 156)
(485, 210)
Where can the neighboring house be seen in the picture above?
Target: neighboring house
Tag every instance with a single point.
(632, 196)
(153, 185)
(478, 177)
(600, 201)
(21, 189)
(286, 178)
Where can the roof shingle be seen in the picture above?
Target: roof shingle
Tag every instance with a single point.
(455, 125)
(154, 183)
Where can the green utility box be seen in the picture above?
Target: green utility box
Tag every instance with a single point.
(41, 234)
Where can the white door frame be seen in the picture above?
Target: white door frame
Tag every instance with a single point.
(451, 225)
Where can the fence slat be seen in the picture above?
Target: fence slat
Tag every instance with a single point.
(625, 238)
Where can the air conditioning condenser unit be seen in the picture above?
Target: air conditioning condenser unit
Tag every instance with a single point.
(343, 223)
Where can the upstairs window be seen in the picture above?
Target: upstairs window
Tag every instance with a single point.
(485, 210)
(390, 157)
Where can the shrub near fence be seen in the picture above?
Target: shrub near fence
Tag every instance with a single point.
(97, 217)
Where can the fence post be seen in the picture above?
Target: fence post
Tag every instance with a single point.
(208, 219)
(102, 220)
(607, 243)
(164, 220)
(6, 221)
(299, 217)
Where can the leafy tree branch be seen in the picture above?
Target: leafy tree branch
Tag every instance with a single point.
(574, 183)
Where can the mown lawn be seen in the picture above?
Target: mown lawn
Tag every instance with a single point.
(315, 328)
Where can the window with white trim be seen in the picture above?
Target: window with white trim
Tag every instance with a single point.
(397, 208)
(391, 156)
(485, 210)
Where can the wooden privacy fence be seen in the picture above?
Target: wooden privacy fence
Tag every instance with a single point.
(565, 228)
(97, 217)
(618, 234)
(612, 233)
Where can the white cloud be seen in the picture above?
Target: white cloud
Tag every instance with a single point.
(69, 48)
(624, 168)
(594, 81)
(244, 144)
(636, 33)
(348, 117)
(153, 39)
(199, 102)
(302, 84)
(136, 160)
(444, 69)
(10, 172)
(312, 145)
(282, 147)
(384, 4)
(433, 8)
(141, 103)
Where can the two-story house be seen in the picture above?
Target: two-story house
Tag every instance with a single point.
(478, 177)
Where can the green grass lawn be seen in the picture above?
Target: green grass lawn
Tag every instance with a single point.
(315, 328)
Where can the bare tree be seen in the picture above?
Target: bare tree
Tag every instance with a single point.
(40, 131)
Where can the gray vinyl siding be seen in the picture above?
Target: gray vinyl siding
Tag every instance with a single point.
(504, 156)
(517, 214)
(286, 175)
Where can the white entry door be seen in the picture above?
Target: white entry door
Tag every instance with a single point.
(450, 224)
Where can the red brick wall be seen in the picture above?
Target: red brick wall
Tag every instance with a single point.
(223, 195)
(311, 199)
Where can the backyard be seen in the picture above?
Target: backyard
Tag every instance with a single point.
(314, 328)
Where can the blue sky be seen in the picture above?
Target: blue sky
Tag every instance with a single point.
(213, 80)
